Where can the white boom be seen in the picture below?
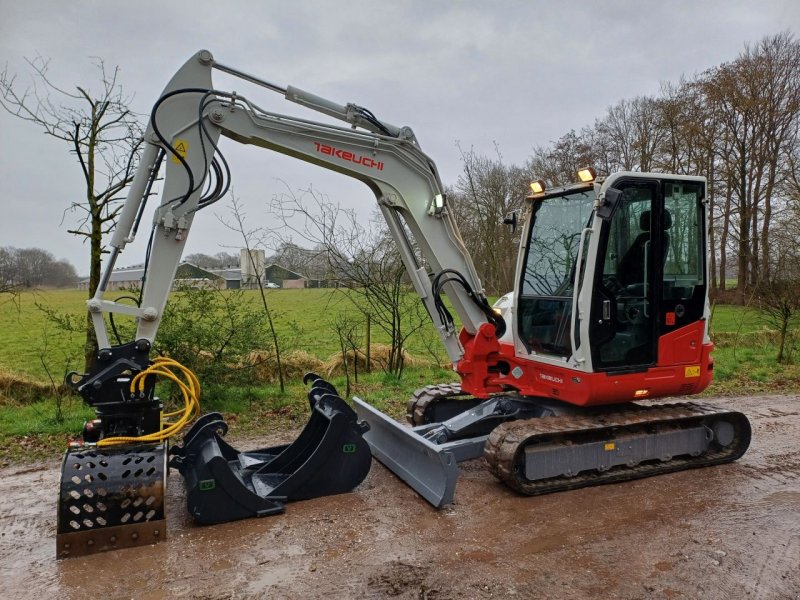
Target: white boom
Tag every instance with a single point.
(184, 128)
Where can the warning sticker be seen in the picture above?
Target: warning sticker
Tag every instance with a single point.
(608, 446)
(182, 148)
(693, 371)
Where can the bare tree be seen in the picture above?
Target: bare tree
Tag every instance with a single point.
(558, 164)
(756, 99)
(238, 224)
(738, 124)
(33, 267)
(102, 133)
(363, 259)
(9, 283)
(347, 330)
(777, 295)
(309, 262)
(220, 260)
(487, 191)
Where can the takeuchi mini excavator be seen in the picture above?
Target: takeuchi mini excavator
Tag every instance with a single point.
(610, 311)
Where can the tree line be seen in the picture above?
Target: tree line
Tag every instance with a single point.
(738, 124)
(24, 268)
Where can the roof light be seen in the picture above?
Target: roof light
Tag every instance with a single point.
(586, 175)
(538, 186)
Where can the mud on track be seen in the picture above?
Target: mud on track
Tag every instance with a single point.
(724, 532)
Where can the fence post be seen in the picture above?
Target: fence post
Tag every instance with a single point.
(369, 345)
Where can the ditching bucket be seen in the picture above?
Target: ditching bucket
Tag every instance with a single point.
(329, 457)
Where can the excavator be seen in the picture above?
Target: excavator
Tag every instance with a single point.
(609, 312)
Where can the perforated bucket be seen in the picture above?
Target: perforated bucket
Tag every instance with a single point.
(111, 498)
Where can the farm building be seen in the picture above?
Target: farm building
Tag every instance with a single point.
(284, 277)
(274, 275)
(187, 274)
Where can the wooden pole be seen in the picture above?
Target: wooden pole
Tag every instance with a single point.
(369, 345)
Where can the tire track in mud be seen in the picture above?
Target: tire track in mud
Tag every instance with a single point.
(778, 568)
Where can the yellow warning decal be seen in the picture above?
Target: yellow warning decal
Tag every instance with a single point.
(692, 371)
(182, 148)
(609, 446)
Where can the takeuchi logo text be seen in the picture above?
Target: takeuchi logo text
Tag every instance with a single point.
(349, 156)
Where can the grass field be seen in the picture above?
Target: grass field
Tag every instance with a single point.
(33, 347)
(303, 318)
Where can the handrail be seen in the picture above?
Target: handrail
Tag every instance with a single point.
(575, 290)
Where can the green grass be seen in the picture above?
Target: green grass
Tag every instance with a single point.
(28, 341)
(31, 431)
(731, 319)
(744, 364)
(303, 318)
(27, 338)
(745, 353)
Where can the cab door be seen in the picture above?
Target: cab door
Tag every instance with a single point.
(622, 331)
(650, 275)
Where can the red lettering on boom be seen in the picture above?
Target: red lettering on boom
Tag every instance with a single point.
(349, 156)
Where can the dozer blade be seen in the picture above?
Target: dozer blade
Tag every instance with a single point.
(111, 498)
(430, 469)
(329, 457)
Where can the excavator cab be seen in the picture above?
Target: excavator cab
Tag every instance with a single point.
(603, 284)
(642, 285)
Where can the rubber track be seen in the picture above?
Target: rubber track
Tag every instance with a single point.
(506, 444)
(423, 397)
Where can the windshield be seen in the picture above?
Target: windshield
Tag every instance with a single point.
(553, 243)
(545, 305)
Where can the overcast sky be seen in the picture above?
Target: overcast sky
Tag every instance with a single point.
(517, 73)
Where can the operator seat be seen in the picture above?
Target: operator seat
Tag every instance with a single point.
(631, 267)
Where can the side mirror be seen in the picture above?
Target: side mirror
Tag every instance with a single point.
(511, 219)
(610, 202)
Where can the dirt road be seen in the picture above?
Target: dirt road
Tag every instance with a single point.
(726, 532)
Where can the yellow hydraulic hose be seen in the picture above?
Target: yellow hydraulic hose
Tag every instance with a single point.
(190, 390)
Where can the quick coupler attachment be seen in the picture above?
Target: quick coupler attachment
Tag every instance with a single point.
(111, 497)
(329, 457)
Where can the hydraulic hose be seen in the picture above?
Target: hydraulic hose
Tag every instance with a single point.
(190, 390)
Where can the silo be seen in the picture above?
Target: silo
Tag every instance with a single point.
(252, 266)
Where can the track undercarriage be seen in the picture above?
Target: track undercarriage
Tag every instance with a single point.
(537, 446)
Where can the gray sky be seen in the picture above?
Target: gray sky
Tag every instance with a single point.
(517, 73)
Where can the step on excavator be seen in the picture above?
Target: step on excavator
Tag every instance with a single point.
(610, 312)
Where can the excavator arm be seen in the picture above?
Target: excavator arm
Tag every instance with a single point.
(184, 130)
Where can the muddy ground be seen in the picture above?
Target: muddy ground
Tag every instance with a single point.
(725, 532)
